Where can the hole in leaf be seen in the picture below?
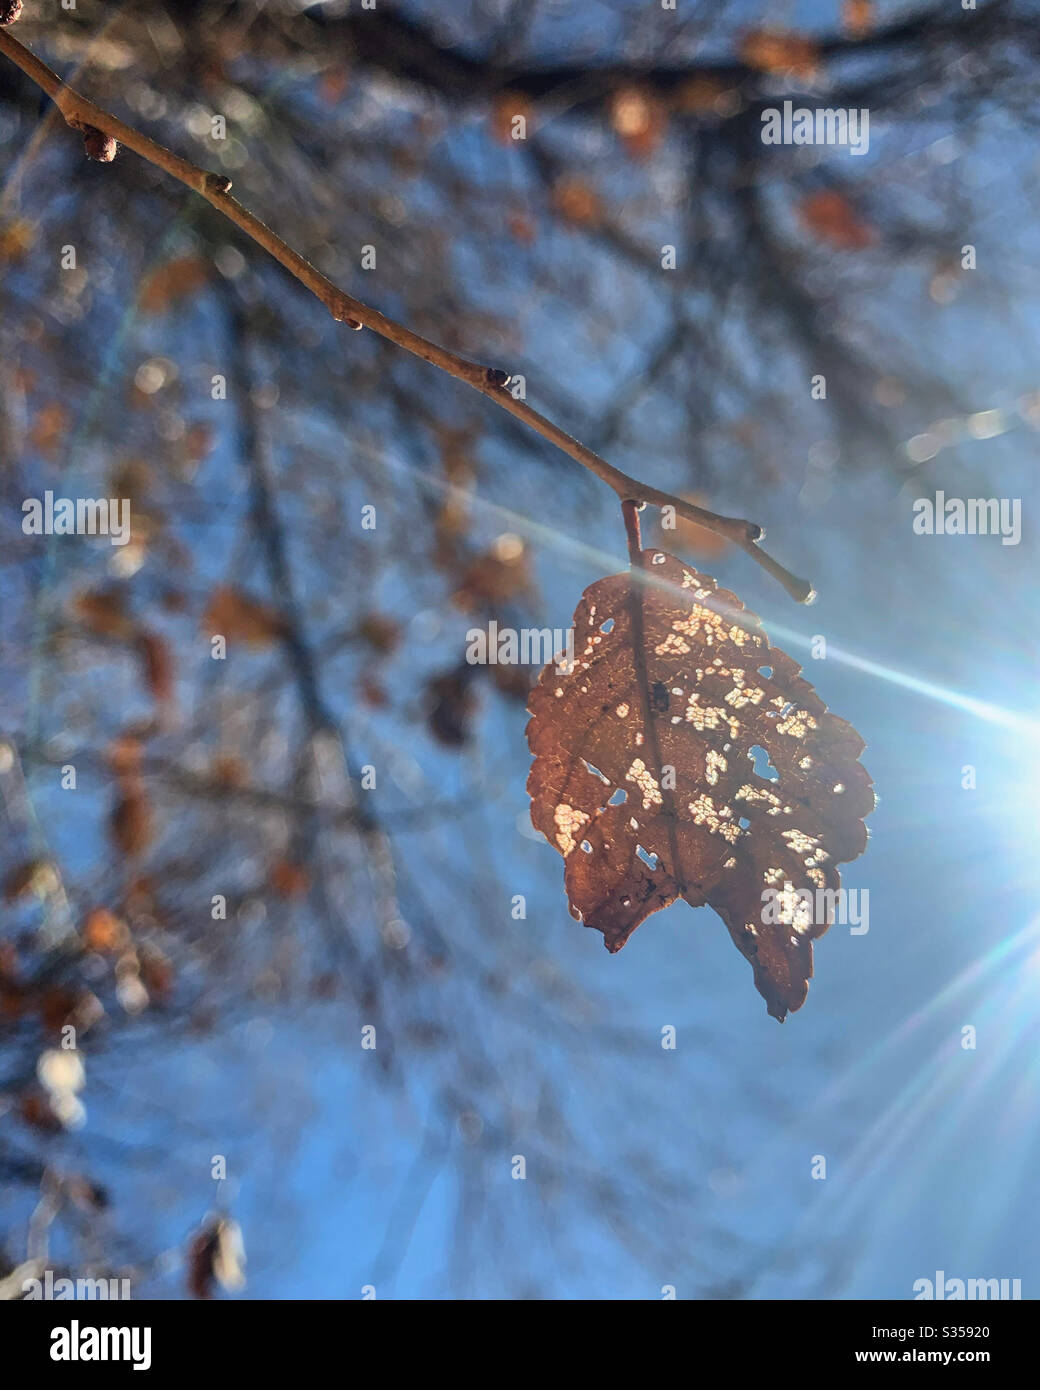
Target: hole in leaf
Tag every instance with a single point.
(763, 767)
(586, 846)
(650, 860)
(596, 772)
(608, 626)
(766, 671)
(618, 798)
(744, 823)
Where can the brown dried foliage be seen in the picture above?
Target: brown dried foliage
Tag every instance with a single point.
(172, 282)
(241, 618)
(672, 672)
(834, 220)
(780, 51)
(131, 822)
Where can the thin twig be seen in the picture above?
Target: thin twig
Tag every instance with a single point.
(84, 115)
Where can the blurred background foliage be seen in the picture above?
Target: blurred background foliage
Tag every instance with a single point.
(393, 906)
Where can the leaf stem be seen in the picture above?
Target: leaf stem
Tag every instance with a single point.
(630, 511)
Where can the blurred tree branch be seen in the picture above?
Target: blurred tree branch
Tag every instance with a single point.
(404, 47)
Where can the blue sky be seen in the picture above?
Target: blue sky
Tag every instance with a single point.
(341, 1180)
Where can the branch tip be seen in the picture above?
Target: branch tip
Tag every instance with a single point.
(799, 589)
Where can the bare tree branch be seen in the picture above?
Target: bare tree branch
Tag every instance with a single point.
(83, 115)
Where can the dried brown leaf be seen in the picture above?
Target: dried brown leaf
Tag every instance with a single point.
(201, 1254)
(48, 428)
(451, 705)
(672, 672)
(382, 633)
(175, 280)
(780, 51)
(858, 17)
(499, 574)
(131, 822)
(700, 94)
(156, 970)
(506, 108)
(228, 770)
(290, 880)
(239, 618)
(103, 931)
(157, 663)
(124, 756)
(104, 611)
(216, 1256)
(577, 202)
(833, 219)
(16, 240)
(639, 118)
